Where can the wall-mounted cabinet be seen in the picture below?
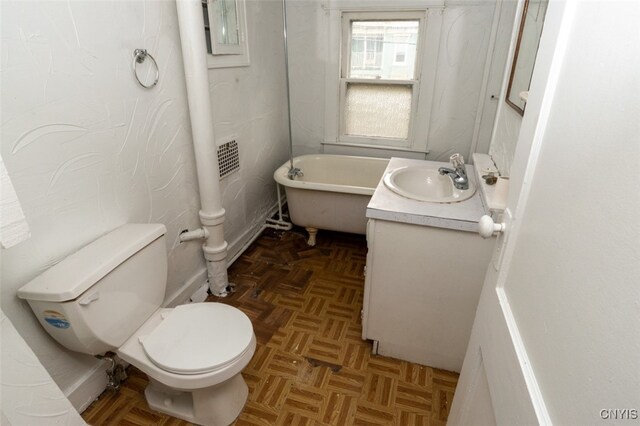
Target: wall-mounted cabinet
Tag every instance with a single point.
(225, 26)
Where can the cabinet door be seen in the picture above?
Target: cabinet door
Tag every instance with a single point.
(421, 291)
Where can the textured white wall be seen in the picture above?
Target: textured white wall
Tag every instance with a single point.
(505, 137)
(507, 122)
(308, 40)
(88, 149)
(464, 40)
(29, 395)
(249, 104)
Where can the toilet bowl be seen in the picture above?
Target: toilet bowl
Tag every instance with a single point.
(106, 298)
(197, 379)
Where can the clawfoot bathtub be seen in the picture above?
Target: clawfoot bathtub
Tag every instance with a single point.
(333, 193)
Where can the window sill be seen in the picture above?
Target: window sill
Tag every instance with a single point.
(380, 147)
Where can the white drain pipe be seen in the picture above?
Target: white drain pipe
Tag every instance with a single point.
(194, 56)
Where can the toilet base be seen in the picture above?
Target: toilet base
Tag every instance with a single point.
(218, 405)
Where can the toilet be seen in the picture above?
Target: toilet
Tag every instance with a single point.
(107, 298)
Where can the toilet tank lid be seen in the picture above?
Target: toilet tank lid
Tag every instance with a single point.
(75, 274)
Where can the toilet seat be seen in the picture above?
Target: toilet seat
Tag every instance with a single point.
(198, 338)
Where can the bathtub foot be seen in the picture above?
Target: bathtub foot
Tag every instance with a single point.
(312, 236)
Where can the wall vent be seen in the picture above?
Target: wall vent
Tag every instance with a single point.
(228, 158)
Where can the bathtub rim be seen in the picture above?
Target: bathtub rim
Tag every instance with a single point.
(280, 176)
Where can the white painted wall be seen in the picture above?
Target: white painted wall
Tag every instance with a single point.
(497, 71)
(463, 46)
(88, 149)
(29, 395)
(505, 137)
(464, 40)
(249, 104)
(573, 281)
(557, 326)
(507, 121)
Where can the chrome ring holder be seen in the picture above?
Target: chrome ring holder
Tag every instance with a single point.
(139, 56)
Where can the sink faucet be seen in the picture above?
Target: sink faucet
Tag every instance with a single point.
(458, 174)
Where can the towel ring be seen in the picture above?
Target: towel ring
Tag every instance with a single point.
(139, 56)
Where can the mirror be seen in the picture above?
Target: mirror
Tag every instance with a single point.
(524, 58)
(226, 27)
(223, 26)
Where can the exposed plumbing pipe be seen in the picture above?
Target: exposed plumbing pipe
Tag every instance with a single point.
(116, 373)
(194, 57)
(255, 237)
(279, 224)
(293, 171)
(196, 234)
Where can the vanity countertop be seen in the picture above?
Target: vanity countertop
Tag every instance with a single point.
(387, 205)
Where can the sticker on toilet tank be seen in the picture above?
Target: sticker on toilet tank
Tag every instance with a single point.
(56, 319)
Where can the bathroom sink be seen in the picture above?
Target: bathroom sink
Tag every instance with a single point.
(426, 184)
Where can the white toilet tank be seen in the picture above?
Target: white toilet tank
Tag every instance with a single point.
(94, 299)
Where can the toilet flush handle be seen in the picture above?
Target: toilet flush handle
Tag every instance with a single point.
(89, 298)
(487, 227)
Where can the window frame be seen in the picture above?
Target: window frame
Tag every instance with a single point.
(347, 17)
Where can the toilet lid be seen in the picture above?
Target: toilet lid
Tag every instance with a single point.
(198, 338)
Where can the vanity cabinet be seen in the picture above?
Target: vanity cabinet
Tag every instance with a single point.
(422, 288)
(422, 282)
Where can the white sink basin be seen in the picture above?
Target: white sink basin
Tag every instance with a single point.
(426, 184)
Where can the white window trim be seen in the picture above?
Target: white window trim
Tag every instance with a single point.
(347, 18)
(225, 56)
(431, 36)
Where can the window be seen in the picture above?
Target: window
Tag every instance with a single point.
(366, 48)
(401, 44)
(379, 79)
(224, 29)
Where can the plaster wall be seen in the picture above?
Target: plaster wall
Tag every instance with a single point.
(462, 47)
(507, 124)
(29, 395)
(249, 105)
(88, 149)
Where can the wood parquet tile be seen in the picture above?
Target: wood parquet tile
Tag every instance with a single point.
(311, 366)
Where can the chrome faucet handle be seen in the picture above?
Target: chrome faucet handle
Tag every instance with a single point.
(457, 160)
(294, 172)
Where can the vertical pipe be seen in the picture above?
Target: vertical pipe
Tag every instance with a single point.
(194, 56)
(286, 72)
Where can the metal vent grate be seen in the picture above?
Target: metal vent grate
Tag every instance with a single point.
(228, 158)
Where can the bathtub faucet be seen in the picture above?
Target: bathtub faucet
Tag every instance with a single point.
(294, 172)
(458, 174)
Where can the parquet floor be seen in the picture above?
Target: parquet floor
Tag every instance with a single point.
(311, 366)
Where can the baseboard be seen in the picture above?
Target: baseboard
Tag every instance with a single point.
(238, 245)
(84, 391)
(183, 294)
